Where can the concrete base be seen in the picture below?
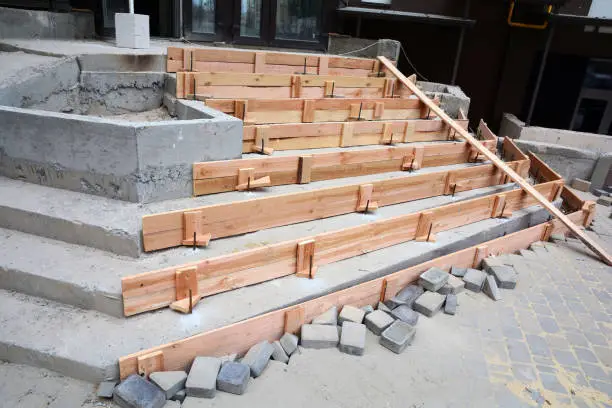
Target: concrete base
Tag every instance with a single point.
(132, 30)
(452, 98)
(20, 23)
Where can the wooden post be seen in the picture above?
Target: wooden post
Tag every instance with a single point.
(193, 230)
(150, 363)
(588, 241)
(424, 230)
(304, 169)
(305, 259)
(481, 253)
(294, 319)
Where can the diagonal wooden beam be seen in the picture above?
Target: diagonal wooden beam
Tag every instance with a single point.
(588, 241)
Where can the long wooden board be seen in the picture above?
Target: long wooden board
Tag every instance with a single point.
(205, 85)
(153, 290)
(588, 241)
(288, 110)
(239, 337)
(290, 136)
(220, 176)
(168, 229)
(266, 62)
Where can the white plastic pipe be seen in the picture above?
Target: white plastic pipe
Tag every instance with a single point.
(131, 6)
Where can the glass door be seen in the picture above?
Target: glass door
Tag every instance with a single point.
(298, 20)
(201, 20)
(251, 22)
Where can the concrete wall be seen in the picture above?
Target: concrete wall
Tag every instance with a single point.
(452, 98)
(569, 162)
(18, 23)
(128, 161)
(340, 44)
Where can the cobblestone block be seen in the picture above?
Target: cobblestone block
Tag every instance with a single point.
(353, 338)
(429, 303)
(233, 377)
(458, 271)
(136, 392)
(350, 314)
(406, 296)
(257, 358)
(405, 314)
(474, 279)
(505, 276)
(450, 304)
(367, 309)
(383, 307)
(433, 279)
(490, 288)
(105, 389)
(319, 336)
(330, 317)
(279, 353)
(378, 321)
(179, 396)
(170, 382)
(202, 378)
(453, 285)
(397, 336)
(289, 342)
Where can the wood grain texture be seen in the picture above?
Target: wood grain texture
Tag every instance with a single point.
(153, 290)
(588, 241)
(167, 229)
(239, 337)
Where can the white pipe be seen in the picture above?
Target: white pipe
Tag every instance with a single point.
(131, 6)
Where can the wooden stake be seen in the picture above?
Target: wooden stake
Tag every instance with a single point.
(308, 112)
(304, 169)
(424, 230)
(588, 241)
(346, 139)
(193, 232)
(260, 63)
(305, 259)
(150, 363)
(323, 68)
(366, 202)
(294, 319)
(481, 253)
(240, 108)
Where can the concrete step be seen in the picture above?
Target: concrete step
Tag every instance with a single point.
(85, 344)
(114, 225)
(90, 278)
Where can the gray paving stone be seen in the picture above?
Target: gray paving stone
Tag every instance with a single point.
(397, 336)
(170, 382)
(604, 387)
(429, 303)
(279, 353)
(585, 355)
(353, 338)
(405, 314)
(319, 336)
(202, 379)
(548, 324)
(378, 321)
(433, 279)
(233, 377)
(136, 392)
(505, 276)
(258, 356)
(538, 345)
(172, 404)
(383, 307)
(330, 317)
(229, 357)
(490, 288)
(474, 279)
(350, 314)
(105, 389)
(518, 351)
(454, 285)
(595, 372)
(450, 304)
(191, 402)
(367, 309)
(289, 342)
(406, 296)
(565, 358)
(458, 271)
(551, 383)
(179, 396)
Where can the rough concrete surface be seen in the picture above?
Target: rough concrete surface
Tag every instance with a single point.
(34, 24)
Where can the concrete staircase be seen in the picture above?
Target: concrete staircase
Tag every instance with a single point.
(62, 255)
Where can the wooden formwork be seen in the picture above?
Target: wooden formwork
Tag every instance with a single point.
(268, 62)
(205, 85)
(239, 337)
(220, 176)
(264, 111)
(152, 290)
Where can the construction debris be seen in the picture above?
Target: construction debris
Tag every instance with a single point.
(378, 321)
(279, 353)
(330, 317)
(405, 314)
(170, 382)
(450, 304)
(136, 392)
(289, 342)
(105, 389)
(490, 288)
(429, 303)
(350, 314)
(433, 279)
(474, 279)
(397, 336)
(319, 336)
(233, 377)
(202, 379)
(353, 338)
(257, 358)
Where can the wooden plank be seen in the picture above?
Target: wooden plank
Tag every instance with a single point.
(305, 267)
(260, 62)
(152, 290)
(588, 241)
(219, 176)
(239, 337)
(222, 220)
(304, 169)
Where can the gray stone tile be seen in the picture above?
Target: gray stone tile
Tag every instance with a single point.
(512, 332)
(565, 358)
(538, 345)
(548, 324)
(557, 341)
(604, 387)
(543, 360)
(518, 351)
(528, 322)
(585, 355)
(524, 373)
(604, 354)
(551, 383)
(595, 372)
(576, 307)
(596, 339)
(542, 309)
(577, 339)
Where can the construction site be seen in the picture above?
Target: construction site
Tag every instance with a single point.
(197, 224)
